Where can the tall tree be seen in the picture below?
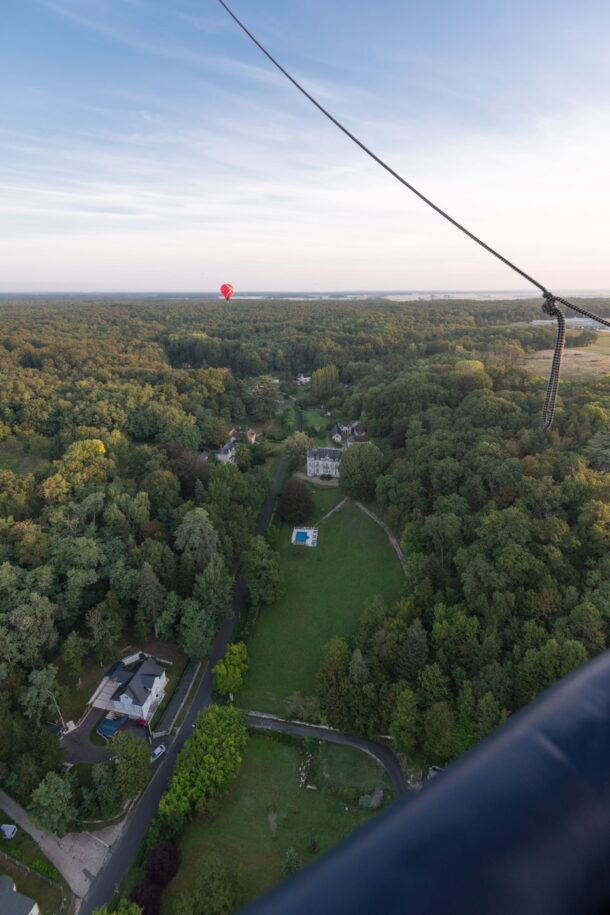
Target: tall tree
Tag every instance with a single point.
(262, 573)
(40, 696)
(230, 672)
(324, 382)
(296, 502)
(212, 589)
(439, 725)
(73, 651)
(150, 595)
(105, 625)
(196, 538)
(360, 468)
(196, 630)
(413, 653)
(132, 763)
(406, 721)
(333, 687)
(52, 806)
(295, 449)
(261, 396)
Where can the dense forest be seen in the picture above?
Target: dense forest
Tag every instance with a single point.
(110, 520)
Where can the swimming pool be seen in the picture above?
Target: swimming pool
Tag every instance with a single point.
(305, 536)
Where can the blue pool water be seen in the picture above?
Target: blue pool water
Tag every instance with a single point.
(301, 537)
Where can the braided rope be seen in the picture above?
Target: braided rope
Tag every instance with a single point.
(549, 307)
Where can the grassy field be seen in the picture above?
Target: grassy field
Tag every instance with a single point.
(266, 812)
(590, 362)
(325, 499)
(324, 591)
(13, 456)
(602, 344)
(312, 418)
(24, 849)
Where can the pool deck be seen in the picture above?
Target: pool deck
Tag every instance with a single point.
(305, 536)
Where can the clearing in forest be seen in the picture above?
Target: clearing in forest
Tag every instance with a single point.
(323, 594)
(590, 362)
(15, 456)
(266, 812)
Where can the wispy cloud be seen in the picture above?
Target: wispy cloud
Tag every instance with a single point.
(170, 158)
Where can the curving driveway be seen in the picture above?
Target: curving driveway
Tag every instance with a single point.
(386, 757)
(77, 743)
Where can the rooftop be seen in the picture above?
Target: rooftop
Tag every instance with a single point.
(333, 454)
(12, 902)
(137, 683)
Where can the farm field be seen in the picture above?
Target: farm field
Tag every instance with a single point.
(266, 812)
(590, 362)
(602, 344)
(324, 592)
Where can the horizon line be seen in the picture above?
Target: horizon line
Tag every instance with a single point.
(277, 292)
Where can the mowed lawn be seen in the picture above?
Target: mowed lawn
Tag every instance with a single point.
(313, 419)
(324, 592)
(266, 812)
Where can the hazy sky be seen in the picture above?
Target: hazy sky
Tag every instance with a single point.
(147, 145)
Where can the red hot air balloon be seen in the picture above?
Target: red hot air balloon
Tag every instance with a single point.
(227, 291)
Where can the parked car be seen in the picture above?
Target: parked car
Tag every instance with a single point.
(157, 752)
(142, 723)
(8, 831)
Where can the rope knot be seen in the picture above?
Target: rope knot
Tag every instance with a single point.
(549, 305)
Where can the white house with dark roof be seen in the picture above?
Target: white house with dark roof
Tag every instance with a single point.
(323, 462)
(134, 687)
(139, 690)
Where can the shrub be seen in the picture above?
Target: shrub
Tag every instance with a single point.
(46, 869)
(230, 672)
(219, 738)
(163, 863)
(292, 862)
(148, 896)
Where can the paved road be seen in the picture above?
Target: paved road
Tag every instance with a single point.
(171, 712)
(121, 854)
(384, 755)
